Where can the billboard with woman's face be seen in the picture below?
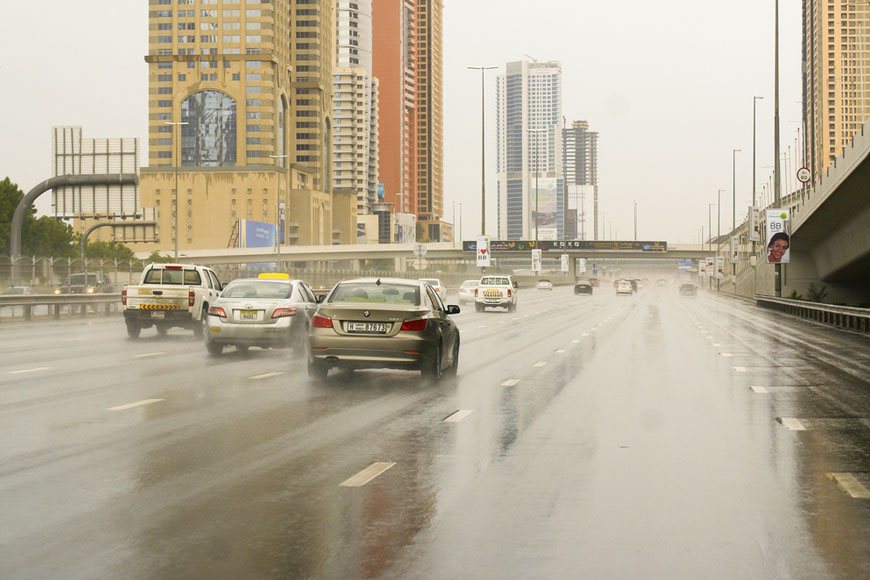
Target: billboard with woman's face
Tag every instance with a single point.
(778, 240)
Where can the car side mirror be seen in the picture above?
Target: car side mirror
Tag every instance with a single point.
(453, 309)
(516, 286)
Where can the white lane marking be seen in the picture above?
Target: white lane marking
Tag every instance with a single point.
(726, 354)
(483, 326)
(500, 322)
(71, 339)
(21, 372)
(560, 351)
(540, 363)
(575, 341)
(759, 389)
(458, 416)
(739, 369)
(716, 344)
(136, 404)
(848, 483)
(266, 376)
(792, 423)
(515, 318)
(149, 354)
(709, 337)
(510, 382)
(585, 334)
(367, 474)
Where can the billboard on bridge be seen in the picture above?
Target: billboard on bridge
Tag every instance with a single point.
(777, 237)
(568, 245)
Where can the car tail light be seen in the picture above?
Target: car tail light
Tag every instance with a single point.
(475, 292)
(509, 292)
(191, 298)
(321, 322)
(124, 297)
(217, 311)
(284, 312)
(415, 325)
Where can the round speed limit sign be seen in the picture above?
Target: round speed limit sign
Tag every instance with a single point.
(804, 175)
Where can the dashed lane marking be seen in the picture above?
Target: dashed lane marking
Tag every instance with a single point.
(540, 363)
(266, 376)
(149, 354)
(510, 383)
(726, 354)
(458, 416)
(739, 369)
(585, 334)
(759, 389)
(850, 484)
(482, 326)
(560, 351)
(367, 474)
(575, 341)
(23, 371)
(136, 404)
(791, 423)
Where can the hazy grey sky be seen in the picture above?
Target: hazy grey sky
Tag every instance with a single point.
(668, 86)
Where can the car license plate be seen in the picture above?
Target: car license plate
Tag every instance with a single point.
(247, 315)
(367, 327)
(158, 314)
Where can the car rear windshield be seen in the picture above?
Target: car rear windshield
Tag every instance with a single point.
(470, 284)
(267, 290)
(372, 293)
(180, 277)
(495, 281)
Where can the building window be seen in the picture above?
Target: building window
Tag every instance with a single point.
(209, 138)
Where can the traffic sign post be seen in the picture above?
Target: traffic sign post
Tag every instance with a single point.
(484, 259)
(804, 175)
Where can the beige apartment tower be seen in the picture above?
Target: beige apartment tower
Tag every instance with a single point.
(239, 113)
(836, 77)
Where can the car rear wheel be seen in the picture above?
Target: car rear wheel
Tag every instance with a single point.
(214, 348)
(317, 370)
(454, 366)
(133, 329)
(199, 329)
(432, 369)
(242, 347)
(162, 329)
(478, 307)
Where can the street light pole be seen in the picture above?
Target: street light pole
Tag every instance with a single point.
(710, 233)
(734, 153)
(482, 70)
(754, 102)
(718, 230)
(635, 221)
(278, 240)
(776, 169)
(177, 163)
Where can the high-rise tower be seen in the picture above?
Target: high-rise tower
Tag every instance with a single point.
(836, 71)
(580, 159)
(529, 158)
(408, 61)
(240, 116)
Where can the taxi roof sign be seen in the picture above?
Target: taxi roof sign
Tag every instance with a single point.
(278, 275)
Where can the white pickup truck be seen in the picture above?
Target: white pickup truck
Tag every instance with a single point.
(170, 295)
(496, 291)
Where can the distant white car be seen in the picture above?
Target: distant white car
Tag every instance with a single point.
(624, 287)
(437, 286)
(466, 291)
(545, 285)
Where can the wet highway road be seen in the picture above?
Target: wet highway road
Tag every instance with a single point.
(649, 436)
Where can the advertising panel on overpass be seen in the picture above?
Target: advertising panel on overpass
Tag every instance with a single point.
(568, 245)
(778, 240)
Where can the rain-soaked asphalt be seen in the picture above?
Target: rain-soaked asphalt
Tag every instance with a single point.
(650, 436)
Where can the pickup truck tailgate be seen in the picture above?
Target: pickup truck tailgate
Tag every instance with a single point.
(158, 297)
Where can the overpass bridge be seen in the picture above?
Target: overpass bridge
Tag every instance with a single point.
(830, 240)
(444, 255)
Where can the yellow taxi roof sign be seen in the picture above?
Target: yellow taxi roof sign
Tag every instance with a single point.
(278, 275)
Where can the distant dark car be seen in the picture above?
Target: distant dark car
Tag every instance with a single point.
(583, 287)
(688, 290)
(86, 283)
(593, 282)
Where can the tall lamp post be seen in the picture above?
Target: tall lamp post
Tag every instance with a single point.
(709, 232)
(718, 228)
(177, 163)
(278, 239)
(734, 153)
(635, 221)
(482, 70)
(776, 169)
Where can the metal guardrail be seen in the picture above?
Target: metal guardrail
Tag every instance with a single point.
(848, 317)
(57, 303)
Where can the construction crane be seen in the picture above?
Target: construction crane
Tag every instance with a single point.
(531, 58)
